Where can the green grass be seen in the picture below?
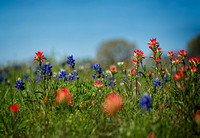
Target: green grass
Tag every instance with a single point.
(172, 114)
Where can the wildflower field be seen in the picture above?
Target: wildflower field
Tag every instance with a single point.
(46, 99)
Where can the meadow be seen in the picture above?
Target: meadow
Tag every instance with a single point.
(47, 99)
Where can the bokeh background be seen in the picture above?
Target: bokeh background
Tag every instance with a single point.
(79, 27)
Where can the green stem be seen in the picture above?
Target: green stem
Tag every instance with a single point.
(136, 83)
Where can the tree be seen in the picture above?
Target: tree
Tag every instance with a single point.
(193, 47)
(113, 51)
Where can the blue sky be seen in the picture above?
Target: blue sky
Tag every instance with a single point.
(78, 27)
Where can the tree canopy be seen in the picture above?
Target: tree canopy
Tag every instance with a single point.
(113, 51)
(193, 47)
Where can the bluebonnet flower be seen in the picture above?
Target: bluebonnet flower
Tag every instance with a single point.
(98, 69)
(62, 74)
(69, 77)
(70, 61)
(19, 84)
(146, 102)
(46, 70)
(72, 76)
(105, 84)
(165, 77)
(157, 82)
(112, 81)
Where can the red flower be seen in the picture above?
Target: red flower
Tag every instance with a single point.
(163, 71)
(176, 61)
(112, 103)
(180, 86)
(138, 56)
(64, 95)
(113, 69)
(183, 69)
(138, 53)
(171, 54)
(45, 100)
(134, 62)
(151, 136)
(131, 72)
(14, 108)
(39, 57)
(153, 43)
(98, 84)
(195, 61)
(157, 59)
(182, 54)
(178, 75)
(159, 49)
(150, 73)
(193, 69)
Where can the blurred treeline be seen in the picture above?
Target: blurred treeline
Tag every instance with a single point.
(120, 50)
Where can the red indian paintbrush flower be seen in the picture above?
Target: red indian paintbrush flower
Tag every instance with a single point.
(178, 75)
(112, 103)
(138, 56)
(45, 100)
(171, 54)
(163, 71)
(151, 136)
(14, 108)
(113, 69)
(176, 61)
(134, 62)
(183, 69)
(157, 59)
(153, 44)
(131, 73)
(150, 73)
(98, 84)
(182, 54)
(158, 50)
(39, 57)
(180, 86)
(63, 95)
(193, 69)
(194, 61)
